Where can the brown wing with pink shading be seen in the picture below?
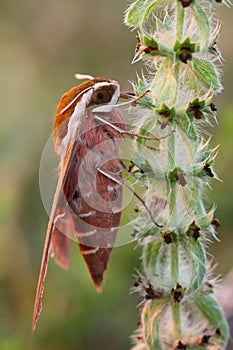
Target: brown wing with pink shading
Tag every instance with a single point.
(95, 201)
(85, 200)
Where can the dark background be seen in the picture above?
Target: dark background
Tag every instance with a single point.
(42, 45)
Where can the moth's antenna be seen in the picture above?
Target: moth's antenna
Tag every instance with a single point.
(80, 76)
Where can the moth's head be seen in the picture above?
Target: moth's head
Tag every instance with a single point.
(94, 91)
(105, 91)
(90, 93)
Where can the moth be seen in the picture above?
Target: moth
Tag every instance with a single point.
(86, 201)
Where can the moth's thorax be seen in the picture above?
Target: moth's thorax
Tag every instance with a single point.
(74, 104)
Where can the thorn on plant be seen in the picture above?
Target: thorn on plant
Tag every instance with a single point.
(139, 338)
(181, 346)
(208, 170)
(146, 286)
(165, 113)
(181, 179)
(186, 3)
(210, 285)
(205, 339)
(137, 282)
(178, 293)
(196, 109)
(196, 235)
(146, 170)
(139, 44)
(150, 49)
(163, 124)
(167, 238)
(216, 222)
(135, 232)
(194, 231)
(147, 47)
(213, 107)
(185, 54)
(130, 167)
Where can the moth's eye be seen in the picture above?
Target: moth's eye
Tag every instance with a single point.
(101, 96)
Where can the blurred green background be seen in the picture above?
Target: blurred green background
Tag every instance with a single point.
(42, 44)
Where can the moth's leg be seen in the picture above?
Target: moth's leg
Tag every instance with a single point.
(124, 184)
(131, 134)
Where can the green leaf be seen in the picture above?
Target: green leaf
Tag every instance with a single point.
(199, 263)
(189, 134)
(207, 74)
(164, 85)
(212, 311)
(205, 221)
(151, 324)
(151, 253)
(140, 10)
(161, 263)
(203, 25)
(140, 88)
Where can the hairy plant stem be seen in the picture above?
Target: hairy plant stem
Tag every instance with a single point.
(180, 309)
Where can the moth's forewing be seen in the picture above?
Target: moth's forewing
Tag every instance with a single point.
(84, 199)
(58, 203)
